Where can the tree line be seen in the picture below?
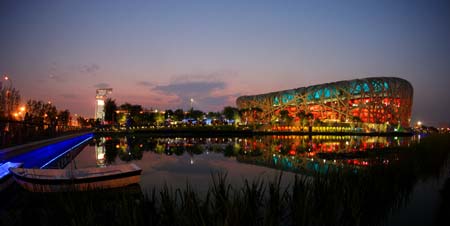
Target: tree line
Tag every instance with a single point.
(135, 115)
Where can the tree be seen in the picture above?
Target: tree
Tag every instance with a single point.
(230, 113)
(132, 109)
(196, 114)
(304, 118)
(63, 117)
(135, 113)
(285, 117)
(168, 114)
(178, 114)
(147, 118)
(158, 118)
(41, 112)
(9, 101)
(83, 122)
(110, 110)
(213, 115)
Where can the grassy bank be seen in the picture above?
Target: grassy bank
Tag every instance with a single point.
(349, 196)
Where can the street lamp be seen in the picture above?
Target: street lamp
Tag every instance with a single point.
(8, 95)
(192, 102)
(8, 79)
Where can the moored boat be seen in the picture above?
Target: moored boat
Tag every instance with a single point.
(57, 180)
(5, 175)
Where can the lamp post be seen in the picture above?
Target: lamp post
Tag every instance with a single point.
(192, 103)
(8, 95)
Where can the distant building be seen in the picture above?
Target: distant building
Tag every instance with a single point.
(100, 97)
(379, 100)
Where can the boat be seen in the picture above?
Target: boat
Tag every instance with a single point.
(61, 180)
(5, 176)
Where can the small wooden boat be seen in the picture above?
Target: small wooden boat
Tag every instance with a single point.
(57, 180)
(5, 175)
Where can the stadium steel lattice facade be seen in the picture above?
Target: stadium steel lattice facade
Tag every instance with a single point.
(378, 100)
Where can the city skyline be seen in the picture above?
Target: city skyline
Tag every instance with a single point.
(160, 54)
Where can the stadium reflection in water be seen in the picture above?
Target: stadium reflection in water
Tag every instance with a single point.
(298, 154)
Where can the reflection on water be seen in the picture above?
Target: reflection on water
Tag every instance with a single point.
(291, 153)
(362, 180)
(193, 159)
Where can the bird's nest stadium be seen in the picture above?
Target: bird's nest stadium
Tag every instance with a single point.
(377, 100)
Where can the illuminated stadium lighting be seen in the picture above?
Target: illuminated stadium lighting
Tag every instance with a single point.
(377, 100)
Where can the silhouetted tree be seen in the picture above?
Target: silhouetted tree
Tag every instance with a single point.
(9, 101)
(285, 117)
(230, 113)
(41, 112)
(213, 115)
(63, 117)
(110, 110)
(178, 114)
(168, 114)
(135, 113)
(196, 114)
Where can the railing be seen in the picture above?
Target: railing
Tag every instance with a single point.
(19, 132)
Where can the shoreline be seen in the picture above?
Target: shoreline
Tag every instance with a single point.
(243, 133)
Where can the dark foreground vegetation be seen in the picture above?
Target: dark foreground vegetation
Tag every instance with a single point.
(346, 196)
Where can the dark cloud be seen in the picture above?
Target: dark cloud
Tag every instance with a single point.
(211, 77)
(215, 101)
(55, 73)
(204, 93)
(208, 91)
(89, 68)
(144, 83)
(191, 88)
(101, 85)
(57, 78)
(69, 96)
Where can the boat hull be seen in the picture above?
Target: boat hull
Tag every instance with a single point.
(55, 180)
(5, 176)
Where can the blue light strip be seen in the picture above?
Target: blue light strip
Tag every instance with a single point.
(41, 156)
(70, 149)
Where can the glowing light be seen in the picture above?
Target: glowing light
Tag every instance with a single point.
(100, 102)
(39, 158)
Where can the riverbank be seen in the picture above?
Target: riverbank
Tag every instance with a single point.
(236, 132)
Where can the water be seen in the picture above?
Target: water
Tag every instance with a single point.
(177, 160)
(393, 185)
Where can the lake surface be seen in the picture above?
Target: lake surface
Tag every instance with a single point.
(177, 160)
(404, 195)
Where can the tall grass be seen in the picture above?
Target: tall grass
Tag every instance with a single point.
(348, 196)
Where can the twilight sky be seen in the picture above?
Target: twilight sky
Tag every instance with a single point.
(162, 53)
